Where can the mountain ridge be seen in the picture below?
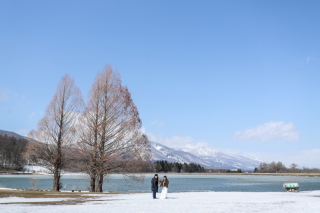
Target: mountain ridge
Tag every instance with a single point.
(204, 155)
(3, 132)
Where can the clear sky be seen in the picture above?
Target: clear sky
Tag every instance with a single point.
(241, 76)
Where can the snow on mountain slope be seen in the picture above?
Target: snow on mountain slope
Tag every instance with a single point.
(201, 149)
(222, 160)
(204, 155)
(161, 152)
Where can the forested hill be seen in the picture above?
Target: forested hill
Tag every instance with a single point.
(12, 147)
(3, 132)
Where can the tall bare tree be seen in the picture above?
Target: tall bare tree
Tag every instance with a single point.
(56, 130)
(110, 139)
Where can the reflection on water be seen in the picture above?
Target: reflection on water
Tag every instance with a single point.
(178, 183)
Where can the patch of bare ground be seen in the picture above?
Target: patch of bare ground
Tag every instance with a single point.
(69, 198)
(65, 202)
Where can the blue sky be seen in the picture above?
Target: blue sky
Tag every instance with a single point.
(241, 76)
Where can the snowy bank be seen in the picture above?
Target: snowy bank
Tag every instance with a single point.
(239, 202)
(36, 169)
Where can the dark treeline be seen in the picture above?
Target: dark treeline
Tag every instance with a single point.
(164, 166)
(279, 167)
(11, 152)
(224, 171)
(234, 171)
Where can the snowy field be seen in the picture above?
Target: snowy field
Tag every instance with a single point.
(176, 202)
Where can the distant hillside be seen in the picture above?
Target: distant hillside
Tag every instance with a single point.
(12, 147)
(3, 132)
(13, 134)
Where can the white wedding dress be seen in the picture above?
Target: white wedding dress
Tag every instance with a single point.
(164, 192)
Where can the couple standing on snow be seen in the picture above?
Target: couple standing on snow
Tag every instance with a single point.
(154, 186)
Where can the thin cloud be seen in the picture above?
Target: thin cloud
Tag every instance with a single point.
(157, 123)
(308, 59)
(175, 141)
(4, 94)
(32, 114)
(269, 132)
(23, 132)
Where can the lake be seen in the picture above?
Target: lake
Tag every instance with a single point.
(178, 183)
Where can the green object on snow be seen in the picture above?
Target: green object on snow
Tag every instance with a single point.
(291, 185)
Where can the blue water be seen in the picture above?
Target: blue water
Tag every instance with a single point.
(178, 183)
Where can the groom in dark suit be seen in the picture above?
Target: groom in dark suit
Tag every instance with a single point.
(154, 185)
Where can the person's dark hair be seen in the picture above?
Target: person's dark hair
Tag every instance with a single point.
(156, 175)
(165, 177)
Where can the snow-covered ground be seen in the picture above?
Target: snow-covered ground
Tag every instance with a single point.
(45, 171)
(36, 169)
(178, 202)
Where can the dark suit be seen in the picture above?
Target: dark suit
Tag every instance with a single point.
(154, 186)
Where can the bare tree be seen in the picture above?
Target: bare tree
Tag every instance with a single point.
(56, 130)
(281, 167)
(110, 139)
(293, 167)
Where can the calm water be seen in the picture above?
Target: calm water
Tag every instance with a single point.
(178, 183)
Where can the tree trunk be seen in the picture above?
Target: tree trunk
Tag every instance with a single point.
(92, 183)
(56, 179)
(57, 165)
(100, 183)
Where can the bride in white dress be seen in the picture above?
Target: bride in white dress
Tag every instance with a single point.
(164, 191)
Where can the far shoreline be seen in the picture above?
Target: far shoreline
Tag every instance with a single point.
(254, 174)
(160, 174)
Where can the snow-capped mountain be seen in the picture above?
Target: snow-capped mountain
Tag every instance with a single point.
(201, 149)
(162, 152)
(204, 155)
